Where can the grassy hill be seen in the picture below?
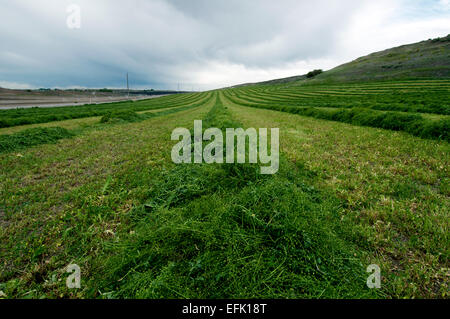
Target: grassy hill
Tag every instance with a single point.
(428, 59)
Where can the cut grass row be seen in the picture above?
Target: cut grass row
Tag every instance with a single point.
(24, 116)
(73, 124)
(225, 231)
(42, 135)
(32, 137)
(418, 100)
(141, 227)
(111, 201)
(394, 190)
(425, 97)
(412, 123)
(62, 202)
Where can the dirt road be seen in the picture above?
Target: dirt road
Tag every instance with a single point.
(67, 101)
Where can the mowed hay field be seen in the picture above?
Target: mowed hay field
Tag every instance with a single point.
(363, 180)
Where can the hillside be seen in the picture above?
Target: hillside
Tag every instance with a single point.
(428, 59)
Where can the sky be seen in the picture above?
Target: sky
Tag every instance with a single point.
(199, 44)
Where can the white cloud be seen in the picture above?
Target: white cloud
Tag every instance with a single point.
(445, 4)
(384, 24)
(15, 85)
(201, 43)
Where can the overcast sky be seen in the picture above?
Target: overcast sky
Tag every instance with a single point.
(199, 44)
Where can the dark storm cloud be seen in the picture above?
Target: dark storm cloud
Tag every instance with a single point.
(201, 43)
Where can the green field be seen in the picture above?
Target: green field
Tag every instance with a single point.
(420, 108)
(23, 116)
(363, 180)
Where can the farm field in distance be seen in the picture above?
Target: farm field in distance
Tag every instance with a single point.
(364, 179)
(11, 99)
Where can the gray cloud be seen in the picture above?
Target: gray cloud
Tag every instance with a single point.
(201, 43)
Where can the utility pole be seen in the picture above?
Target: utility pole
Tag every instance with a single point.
(128, 88)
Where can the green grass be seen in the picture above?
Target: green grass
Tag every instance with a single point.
(32, 137)
(394, 190)
(422, 60)
(215, 231)
(425, 60)
(122, 116)
(63, 215)
(110, 199)
(22, 116)
(370, 104)
(43, 135)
